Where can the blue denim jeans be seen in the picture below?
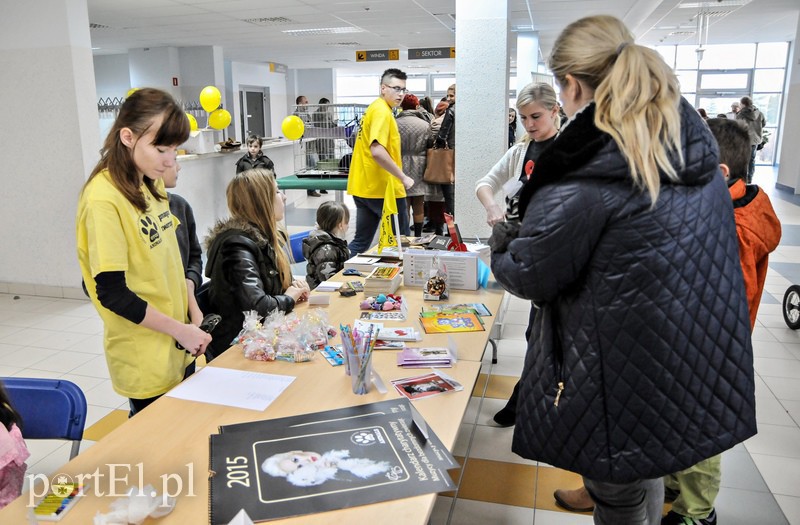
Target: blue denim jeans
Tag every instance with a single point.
(638, 503)
(751, 168)
(368, 218)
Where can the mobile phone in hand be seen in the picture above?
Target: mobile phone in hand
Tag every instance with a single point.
(207, 325)
(210, 322)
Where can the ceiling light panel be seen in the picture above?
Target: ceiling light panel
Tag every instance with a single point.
(323, 31)
(716, 4)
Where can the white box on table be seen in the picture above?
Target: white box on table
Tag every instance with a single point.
(202, 141)
(462, 268)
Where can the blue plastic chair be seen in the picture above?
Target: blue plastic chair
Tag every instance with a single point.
(296, 243)
(50, 408)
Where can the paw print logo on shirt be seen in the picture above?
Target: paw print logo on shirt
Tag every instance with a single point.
(149, 230)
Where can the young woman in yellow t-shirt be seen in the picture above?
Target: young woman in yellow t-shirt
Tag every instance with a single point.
(128, 251)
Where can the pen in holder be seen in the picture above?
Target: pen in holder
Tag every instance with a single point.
(361, 372)
(358, 348)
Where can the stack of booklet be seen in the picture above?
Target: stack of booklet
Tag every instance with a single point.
(425, 358)
(450, 322)
(400, 333)
(383, 279)
(361, 263)
(447, 318)
(431, 384)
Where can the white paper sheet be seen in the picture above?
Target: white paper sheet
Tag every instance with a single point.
(319, 300)
(236, 388)
(328, 286)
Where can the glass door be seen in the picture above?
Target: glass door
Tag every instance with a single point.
(255, 108)
(717, 90)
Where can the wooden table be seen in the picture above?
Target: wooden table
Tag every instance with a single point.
(171, 436)
(470, 345)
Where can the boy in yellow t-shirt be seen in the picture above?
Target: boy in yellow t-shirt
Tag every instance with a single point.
(377, 162)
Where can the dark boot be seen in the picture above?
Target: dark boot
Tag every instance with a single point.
(417, 229)
(507, 415)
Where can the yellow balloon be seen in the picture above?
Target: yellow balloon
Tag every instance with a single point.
(131, 91)
(192, 122)
(293, 127)
(219, 119)
(210, 98)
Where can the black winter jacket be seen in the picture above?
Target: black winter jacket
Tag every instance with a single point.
(262, 161)
(642, 315)
(244, 276)
(325, 255)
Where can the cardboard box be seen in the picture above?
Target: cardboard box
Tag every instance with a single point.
(462, 268)
(202, 141)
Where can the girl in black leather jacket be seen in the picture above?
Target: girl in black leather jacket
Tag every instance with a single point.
(248, 267)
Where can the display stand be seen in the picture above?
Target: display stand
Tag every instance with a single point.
(333, 128)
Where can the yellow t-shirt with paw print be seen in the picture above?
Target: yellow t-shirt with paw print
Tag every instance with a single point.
(112, 236)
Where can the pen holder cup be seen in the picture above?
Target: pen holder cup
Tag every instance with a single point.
(360, 373)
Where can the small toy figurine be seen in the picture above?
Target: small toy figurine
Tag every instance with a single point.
(382, 302)
(436, 286)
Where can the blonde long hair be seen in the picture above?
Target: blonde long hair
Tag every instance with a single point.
(251, 198)
(637, 95)
(542, 94)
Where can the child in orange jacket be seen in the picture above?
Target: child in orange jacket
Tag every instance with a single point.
(757, 226)
(759, 232)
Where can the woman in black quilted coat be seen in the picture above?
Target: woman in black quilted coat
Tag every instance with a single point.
(641, 363)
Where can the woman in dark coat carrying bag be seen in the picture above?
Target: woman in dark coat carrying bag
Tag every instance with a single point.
(642, 363)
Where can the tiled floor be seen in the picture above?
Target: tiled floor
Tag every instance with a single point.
(45, 337)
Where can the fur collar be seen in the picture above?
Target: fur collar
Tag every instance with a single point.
(576, 145)
(233, 224)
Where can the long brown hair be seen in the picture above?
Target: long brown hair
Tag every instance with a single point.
(138, 113)
(251, 198)
(636, 93)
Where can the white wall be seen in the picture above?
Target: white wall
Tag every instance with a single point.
(52, 94)
(155, 67)
(789, 169)
(259, 75)
(313, 84)
(199, 67)
(481, 104)
(112, 76)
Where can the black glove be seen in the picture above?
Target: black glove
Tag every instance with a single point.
(502, 234)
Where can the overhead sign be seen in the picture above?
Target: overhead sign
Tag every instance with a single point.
(377, 55)
(278, 68)
(431, 52)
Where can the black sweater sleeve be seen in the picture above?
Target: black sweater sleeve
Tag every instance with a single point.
(114, 294)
